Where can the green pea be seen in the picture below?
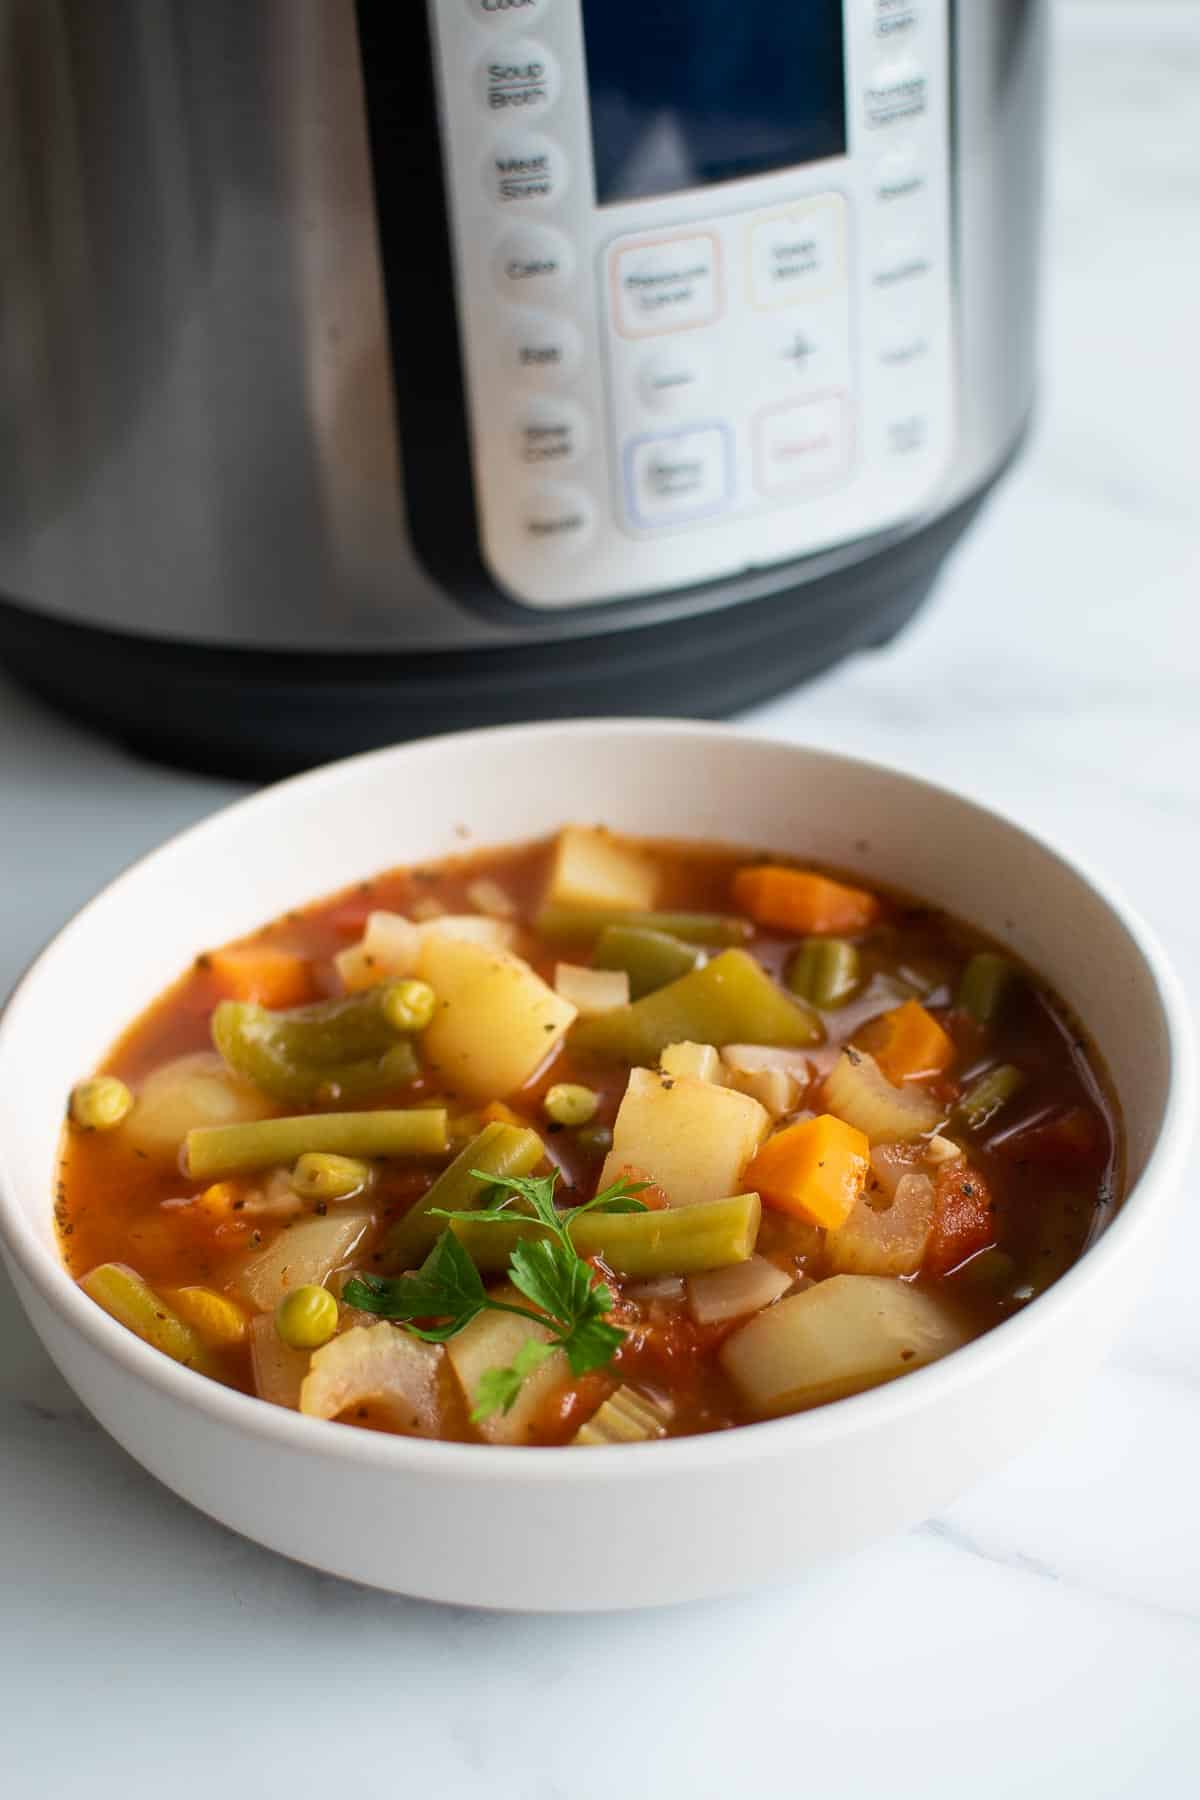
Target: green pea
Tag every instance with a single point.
(307, 1317)
(568, 1103)
(596, 1139)
(409, 1005)
(101, 1103)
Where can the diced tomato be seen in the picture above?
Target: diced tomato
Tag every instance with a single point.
(963, 1218)
(1072, 1138)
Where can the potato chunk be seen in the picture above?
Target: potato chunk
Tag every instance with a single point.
(692, 1137)
(191, 1090)
(839, 1337)
(591, 869)
(496, 1019)
(490, 1342)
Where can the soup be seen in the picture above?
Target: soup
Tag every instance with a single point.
(587, 1141)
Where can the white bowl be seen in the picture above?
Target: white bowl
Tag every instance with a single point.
(626, 1526)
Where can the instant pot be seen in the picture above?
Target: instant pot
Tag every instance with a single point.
(373, 368)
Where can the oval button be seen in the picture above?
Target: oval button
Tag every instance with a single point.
(672, 380)
(542, 347)
(558, 519)
(551, 434)
(522, 169)
(531, 261)
(518, 80)
(506, 12)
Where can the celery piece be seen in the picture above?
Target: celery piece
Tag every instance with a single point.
(984, 985)
(731, 1000)
(824, 971)
(624, 1418)
(682, 1240)
(649, 958)
(350, 1048)
(266, 1143)
(583, 924)
(127, 1298)
(499, 1149)
(981, 1102)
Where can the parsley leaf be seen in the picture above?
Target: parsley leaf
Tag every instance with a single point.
(498, 1388)
(547, 1270)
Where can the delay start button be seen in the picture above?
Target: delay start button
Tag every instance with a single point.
(557, 519)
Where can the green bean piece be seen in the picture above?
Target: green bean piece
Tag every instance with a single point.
(337, 1049)
(824, 971)
(985, 982)
(499, 1149)
(583, 925)
(321, 1176)
(211, 1150)
(731, 1000)
(980, 1104)
(101, 1103)
(649, 958)
(127, 1298)
(676, 1240)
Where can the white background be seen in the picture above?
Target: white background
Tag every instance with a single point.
(1043, 1635)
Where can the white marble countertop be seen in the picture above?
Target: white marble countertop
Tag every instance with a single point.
(1043, 1633)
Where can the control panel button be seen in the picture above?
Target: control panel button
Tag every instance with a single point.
(532, 261)
(903, 348)
(906, 434)
(898, 176)
(805, 444)
(525, 170)
(897, 91)
(902, 262)
(892, 19)
(557, 519)
(799, 253)
(518, 80)
(805, 351)
(672, 379)
(551, 433)
(665, 284)
(506, 12)
(542, 347)
(679, 475)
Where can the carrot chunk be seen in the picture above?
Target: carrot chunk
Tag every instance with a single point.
(908, 1043)
(262, 974)
(798, 900)
(815, 1170)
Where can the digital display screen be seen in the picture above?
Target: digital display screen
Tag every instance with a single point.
(685, 93)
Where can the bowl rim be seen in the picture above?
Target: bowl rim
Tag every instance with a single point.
(770, 1439)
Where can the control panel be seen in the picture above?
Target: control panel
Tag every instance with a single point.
(702, 257)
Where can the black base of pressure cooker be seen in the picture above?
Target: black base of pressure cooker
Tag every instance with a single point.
(259, 714)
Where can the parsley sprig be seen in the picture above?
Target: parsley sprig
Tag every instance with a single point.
(548, 1270)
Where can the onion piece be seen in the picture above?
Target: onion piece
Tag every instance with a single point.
(487, 896)
(775, 1089)
(591, 992)
(753, 1057)
(380, 1365)
(940, 1150)
(279, 1370)
(859, 1092)
(890, 1162)
(890, 1241)
(733, 1292)
(391, 945)
(658, 1287)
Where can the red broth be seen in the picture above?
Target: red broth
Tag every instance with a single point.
(1016, 1208)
